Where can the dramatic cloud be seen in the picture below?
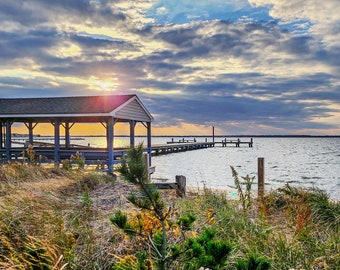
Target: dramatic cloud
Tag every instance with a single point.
(250, 67)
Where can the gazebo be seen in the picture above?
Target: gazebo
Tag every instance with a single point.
(67, 111)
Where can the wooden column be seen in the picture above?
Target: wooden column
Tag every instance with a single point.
(148, 125)
(8, 142)
(1, 136)
(110, 143)
(132, 133)
(67, 135)
(67, 128)
(30, 133)
(30, 128)
(56, 125)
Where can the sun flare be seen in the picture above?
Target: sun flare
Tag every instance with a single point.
(103, 85)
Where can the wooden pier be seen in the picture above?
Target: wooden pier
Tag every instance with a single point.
(93, 155)
(169, 148)
(237, 143)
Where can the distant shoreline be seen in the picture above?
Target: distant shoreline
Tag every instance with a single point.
(244, 136)
(199, 136)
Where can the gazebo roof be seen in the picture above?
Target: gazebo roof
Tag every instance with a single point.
(120, 106)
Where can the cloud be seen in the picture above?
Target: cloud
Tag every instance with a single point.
(261, 63)
(300, 9)
(324, 17)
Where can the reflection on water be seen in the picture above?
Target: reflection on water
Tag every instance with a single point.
(118, 141)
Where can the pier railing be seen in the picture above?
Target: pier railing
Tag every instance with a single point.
(237, 143)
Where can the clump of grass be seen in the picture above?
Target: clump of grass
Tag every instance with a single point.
(309, 223)
(66, 165)
(253, 262)
(323, 209)
(284, 233)
(46, 218)
(27, 220)
(92, 179)
(17, 172)
(312, 205)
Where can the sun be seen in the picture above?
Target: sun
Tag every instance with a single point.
(103, 85)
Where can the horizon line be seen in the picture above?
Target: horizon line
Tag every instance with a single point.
(199, 136)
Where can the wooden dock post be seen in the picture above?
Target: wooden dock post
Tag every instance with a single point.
(213, 134)
(260, 175)
(181, 185)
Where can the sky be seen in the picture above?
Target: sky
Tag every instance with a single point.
(261, 67)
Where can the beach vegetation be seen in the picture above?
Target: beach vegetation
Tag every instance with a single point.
(45, 218)
(56, 219)
(154, 225)
(76, 161)
(244, 195)
(66, 164)
(161, 229)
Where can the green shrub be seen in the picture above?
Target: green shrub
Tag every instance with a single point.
(206, 251)
(186, 221)
(253, 262)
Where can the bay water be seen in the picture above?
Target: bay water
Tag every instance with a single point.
(298, 161)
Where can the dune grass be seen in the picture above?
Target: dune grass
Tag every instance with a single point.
(293, 228)
(45, 218)
(57, 219)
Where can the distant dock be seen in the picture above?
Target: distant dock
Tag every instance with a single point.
(237, 143)
(192, 144)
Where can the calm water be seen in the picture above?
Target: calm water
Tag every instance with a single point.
(304, 162)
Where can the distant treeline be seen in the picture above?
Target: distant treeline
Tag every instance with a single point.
(199, 136)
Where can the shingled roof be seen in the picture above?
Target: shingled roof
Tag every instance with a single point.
(112, 105)
(62, 105)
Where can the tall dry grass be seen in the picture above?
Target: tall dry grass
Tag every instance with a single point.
(56, 219)
(44, 220)
(291, 227)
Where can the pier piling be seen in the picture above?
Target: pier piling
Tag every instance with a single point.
(260, 175)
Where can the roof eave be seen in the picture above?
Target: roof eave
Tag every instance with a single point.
(54, 115)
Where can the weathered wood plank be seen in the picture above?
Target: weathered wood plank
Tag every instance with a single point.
(179, 185)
